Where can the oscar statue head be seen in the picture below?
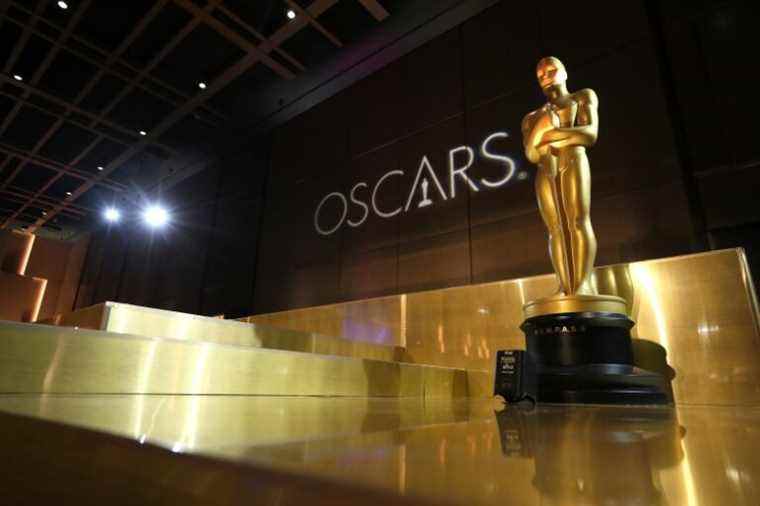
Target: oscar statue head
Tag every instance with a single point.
(551, 74)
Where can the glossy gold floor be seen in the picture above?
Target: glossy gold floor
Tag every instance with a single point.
(296, 450)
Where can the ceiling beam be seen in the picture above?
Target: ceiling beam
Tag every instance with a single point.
(128, 132)
(234, 37)
(250, 59)
(158, 58)
(316, 24)
(14, 195)
(69, 107)
(46, 62)
(139, 28)
(236, 19)
(168, 98)
(114, 57)
(26, 34)
(375, 8)
(56, 166)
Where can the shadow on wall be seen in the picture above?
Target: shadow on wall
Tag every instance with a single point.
(648, 355)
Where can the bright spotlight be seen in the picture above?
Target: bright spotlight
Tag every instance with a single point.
(202, 85)
(291, 14)
(143, 133)
(17, 77)
(112, 215)
(63, 5)
(155, 216)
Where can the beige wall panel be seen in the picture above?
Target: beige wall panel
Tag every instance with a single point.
(20, 297)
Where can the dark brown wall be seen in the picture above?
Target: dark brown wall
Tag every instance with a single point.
(675, 169)
(457, 89)
(203, 262)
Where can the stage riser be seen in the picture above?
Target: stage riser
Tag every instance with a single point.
(149, 322)
(46, 359)
(697, 311)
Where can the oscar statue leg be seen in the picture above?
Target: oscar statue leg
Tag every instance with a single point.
(575, 182)
(548, 206)
(583, 354)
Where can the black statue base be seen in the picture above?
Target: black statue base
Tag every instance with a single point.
(587, 358)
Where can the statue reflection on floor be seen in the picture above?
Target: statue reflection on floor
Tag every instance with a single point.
(594, 455)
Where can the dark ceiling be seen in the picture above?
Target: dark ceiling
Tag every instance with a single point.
(100, 98)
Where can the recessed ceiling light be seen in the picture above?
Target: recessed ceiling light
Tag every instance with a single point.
(202, 85)
(291, 14)
(100, 167)
(17, 77)
(143, 133)
(63, 5)
(44, 213)
(68, 193)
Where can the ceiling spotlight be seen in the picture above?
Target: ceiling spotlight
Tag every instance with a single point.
(68, 194)
(100, 167)
(112, 215)
(143, 133)
(155, 216)
(202, 85)
(63, 5)
(44, 213)
(291, 14)
(17, 77)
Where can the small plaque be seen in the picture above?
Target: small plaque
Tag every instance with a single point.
(513, 377)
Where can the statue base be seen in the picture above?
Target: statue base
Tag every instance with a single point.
(586, 356)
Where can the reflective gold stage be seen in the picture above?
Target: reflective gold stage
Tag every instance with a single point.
(700, 309)
(45, 359)
(287, 451)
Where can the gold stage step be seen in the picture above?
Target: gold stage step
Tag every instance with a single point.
(150, 322)
(47, 359)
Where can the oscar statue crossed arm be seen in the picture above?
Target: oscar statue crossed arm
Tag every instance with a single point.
(556, 137)
(577, 340)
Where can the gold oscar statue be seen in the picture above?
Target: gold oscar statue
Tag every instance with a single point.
(555, 138)
(578, 346)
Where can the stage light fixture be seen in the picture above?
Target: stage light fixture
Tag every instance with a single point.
(112, 215)
(291, 14)
(17, 77)
(155, 216)
(63, 5)
(202, 85)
